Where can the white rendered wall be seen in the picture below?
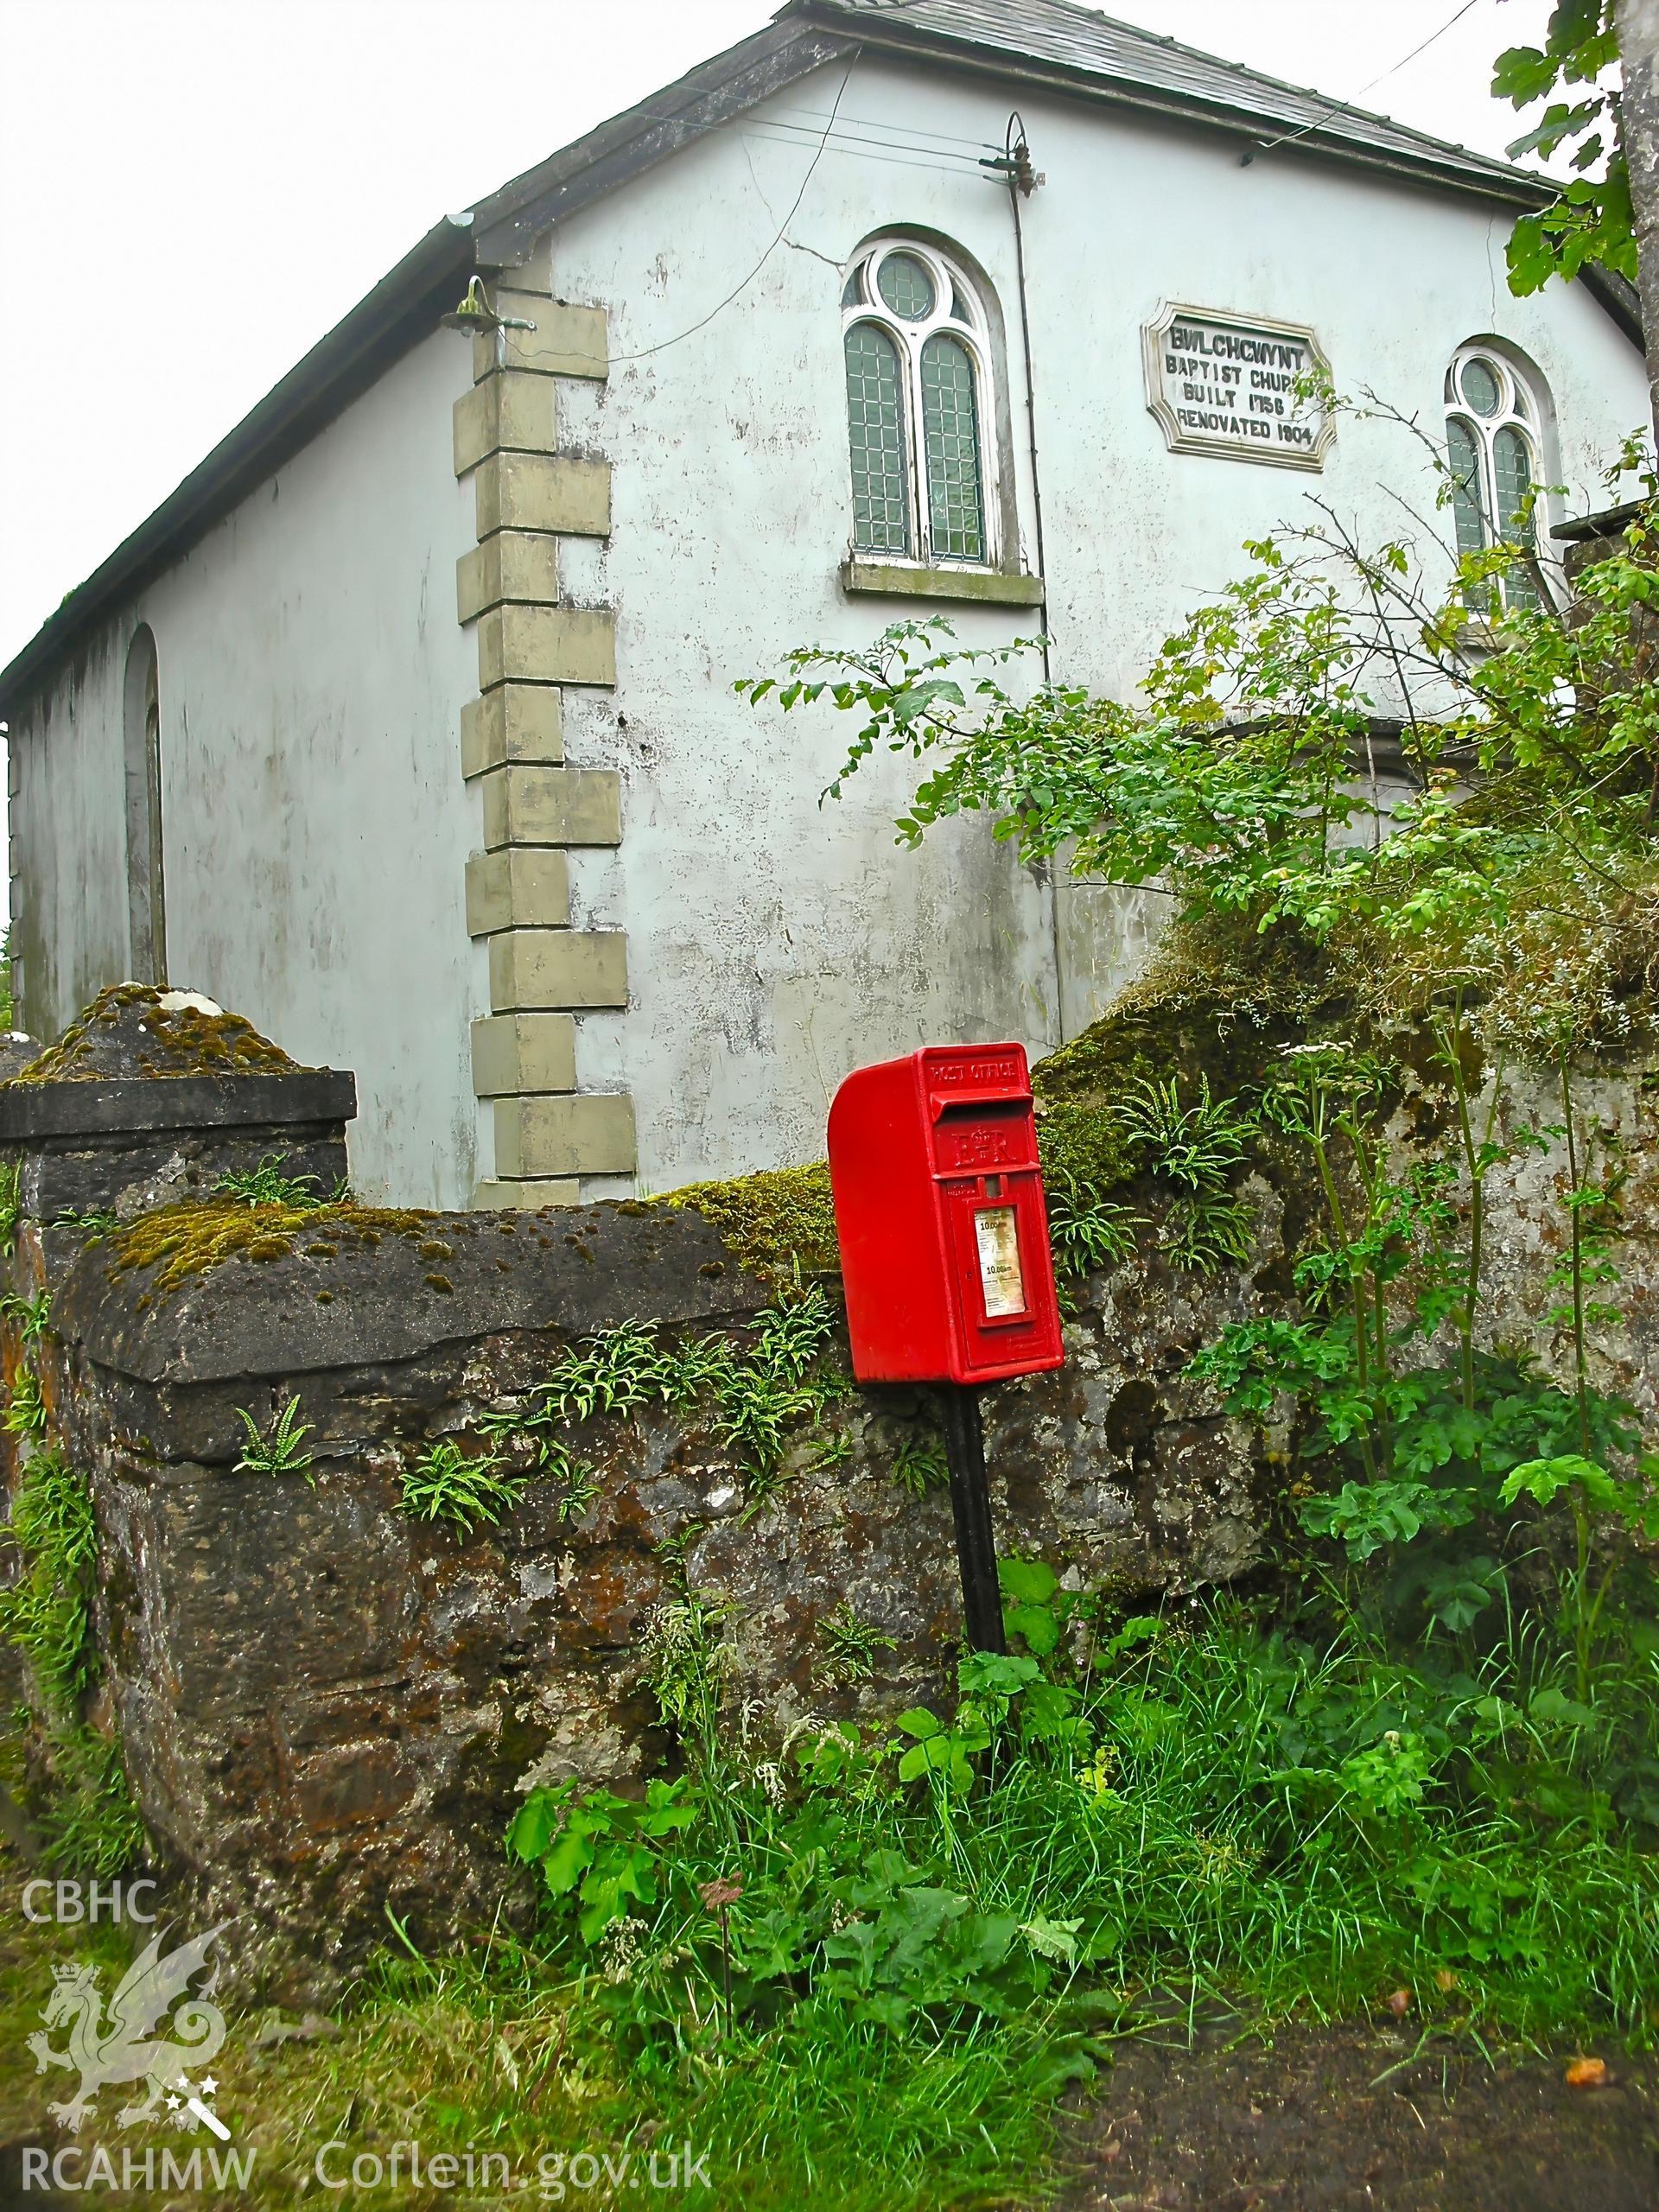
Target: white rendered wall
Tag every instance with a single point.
(311, 669)
(772, 944)
(316, 826)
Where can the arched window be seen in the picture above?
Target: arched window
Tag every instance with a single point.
(141, 746)
(918, 406)
(1491, 443)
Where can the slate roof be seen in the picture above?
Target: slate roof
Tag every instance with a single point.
(1146, 68)
(1054, 44)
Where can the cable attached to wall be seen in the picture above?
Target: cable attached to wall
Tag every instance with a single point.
(1013, 164)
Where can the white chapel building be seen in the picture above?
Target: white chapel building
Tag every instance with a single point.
(405, 727)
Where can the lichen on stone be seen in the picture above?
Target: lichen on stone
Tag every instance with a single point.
(140, 1029)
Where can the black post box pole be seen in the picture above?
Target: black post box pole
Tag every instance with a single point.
(971, 1503)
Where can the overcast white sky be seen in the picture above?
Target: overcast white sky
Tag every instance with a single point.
(192, 191)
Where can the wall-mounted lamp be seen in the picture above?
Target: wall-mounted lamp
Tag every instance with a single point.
(475, 313)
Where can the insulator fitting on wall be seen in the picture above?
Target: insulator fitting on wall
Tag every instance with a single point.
(1015, 165)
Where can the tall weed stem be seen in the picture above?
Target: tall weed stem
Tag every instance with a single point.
(1575, 1208)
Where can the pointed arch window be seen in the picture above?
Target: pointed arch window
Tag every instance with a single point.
(1491, 443)
(918, 404)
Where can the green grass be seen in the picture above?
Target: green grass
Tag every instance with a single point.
(86, 1816)
(1307, 1826)
(44, 1612)
(1290, 1825)
(490, 2049)
(1303, 1826)
(1297, 1824)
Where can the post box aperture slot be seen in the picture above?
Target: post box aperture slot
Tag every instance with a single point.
(983, 1136)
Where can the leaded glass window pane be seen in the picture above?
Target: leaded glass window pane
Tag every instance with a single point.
(950, 448)
(875, 425)
(1512, 473)
(906, 287)
(1465, 457)
(1491, 447)
(1481, 389)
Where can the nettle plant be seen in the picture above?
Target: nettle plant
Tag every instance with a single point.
(1430, 1468)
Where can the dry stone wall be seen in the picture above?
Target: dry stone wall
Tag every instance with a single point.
(328, 1707)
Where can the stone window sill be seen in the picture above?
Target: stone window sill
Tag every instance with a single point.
(972, 587)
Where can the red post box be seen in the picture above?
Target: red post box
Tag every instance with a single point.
(944, 1257)
(939, 1211)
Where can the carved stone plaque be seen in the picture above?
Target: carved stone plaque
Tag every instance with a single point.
(1227, 385)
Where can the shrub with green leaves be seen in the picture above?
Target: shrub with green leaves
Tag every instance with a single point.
(596, 1848)
(1240, 780)
(1443, 1481)
(1591, 220)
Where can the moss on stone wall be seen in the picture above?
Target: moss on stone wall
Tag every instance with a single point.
(778, 1223)
(1216, 1003)
(1213, 1003)
(179, 1242)
(138, 1029)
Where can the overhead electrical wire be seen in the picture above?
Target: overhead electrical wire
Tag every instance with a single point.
(645, 352)
(1342, 107)
(956, 167)
(876, 122)
(906, 153)
(940, 154)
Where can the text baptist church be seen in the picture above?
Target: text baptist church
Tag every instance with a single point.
(1244, 386)
(406, 727)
